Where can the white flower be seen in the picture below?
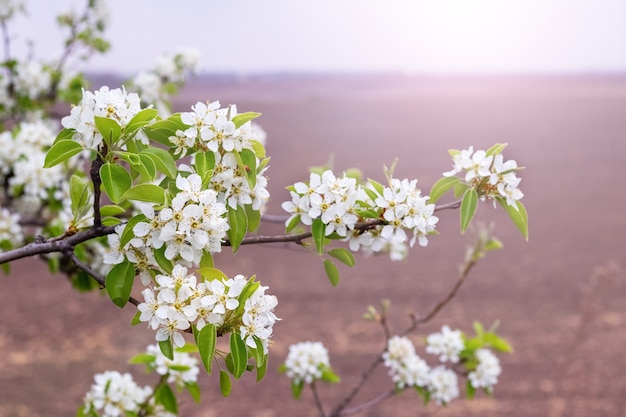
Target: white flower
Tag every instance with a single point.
(306, 361)
(406, 368)
(448, 344)
(10, 229)
(181, 370)
(486, 373)
(114, 394)
(443, 385)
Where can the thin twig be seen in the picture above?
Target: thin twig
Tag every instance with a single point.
(318, 400)
(359, 408)
(96, 275)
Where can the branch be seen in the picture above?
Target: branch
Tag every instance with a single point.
(96, 275)
(416, 321)
(63, 243)
(318, 401)
(359, 408)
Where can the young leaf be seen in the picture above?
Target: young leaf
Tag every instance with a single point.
(331, 271)
(518, 214)
(128, 233)
(109, 129)
(210, 274)
(167, 349)
(145, 192)
(238, 223)
(242, 118)
(225, 384)
(194, 391)
(119, 283)
(441, 187)
(292, 223)
(61, 151)
(165, 396)
(164, 162)
(497, 342)
(159, 256)
(319, 234)
(115, 180)
(146, 167)
(470, 390)
(239, 354)
(296, 389)
(206, 344)
(254, 217)
(79, 195)
(205, 161)
(496, 149)
(468, 208)
(142, 359)
(248, 159)
(261, 370)
(141, 119)
(329, 376)
(343, 255)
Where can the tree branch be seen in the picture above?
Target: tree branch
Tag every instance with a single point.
(59, 244)
(359, 408)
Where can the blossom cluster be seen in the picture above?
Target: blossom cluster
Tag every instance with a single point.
(178, 301)
(407, 369)
(10, 229)
(306, 361)
(114, 394)
(181, 370)
(116, 104)
(497, 178)
(341, 203)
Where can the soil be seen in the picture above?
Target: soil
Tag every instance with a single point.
(560, 298)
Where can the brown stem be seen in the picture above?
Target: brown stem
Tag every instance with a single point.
(94, 172)
(318, 400)
(359, 408)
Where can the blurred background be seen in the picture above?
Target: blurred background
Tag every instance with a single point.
(361, 83)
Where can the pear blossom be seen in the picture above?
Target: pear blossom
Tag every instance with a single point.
(487, 371)
(443, 385)
(306, 361)
(448, 344)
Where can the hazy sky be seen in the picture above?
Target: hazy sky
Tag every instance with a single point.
(435, 36)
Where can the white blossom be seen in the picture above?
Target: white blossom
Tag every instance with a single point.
(487, 371)
(448, 344)
(306, 361)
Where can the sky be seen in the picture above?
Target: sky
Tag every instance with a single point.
(409, 36)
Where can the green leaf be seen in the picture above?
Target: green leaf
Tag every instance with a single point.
(128, 232)
(470, 390)
(79, 195)
(194, 391)
(115, 180)
(109, 129)
(238, 226)
(225, 384)
(206, 344)
(135, 320)
(258, 148)
(518, 214)
(497, 342)
(441, 187)
(164, 263)
(119, 283)
(319, 234)
(377, 186)
(146, 167)
(478, 328)
(343, 255)
(496, 149)
(211, 273)
(111, 210)
(468, 208)
(261, 370)
(243, 118)
(296, 389)
(331, 271)
(459, 189)
(165, 396)
(164, 162)
(253, 216)
(61, 151)
(329, 376)
(142, 359)
(141, 119)
(65, 134)
(205, 161)
(145, 192)
(292, 223)
(258, 351)
(239, 354)
(167, 349)
(248, 159)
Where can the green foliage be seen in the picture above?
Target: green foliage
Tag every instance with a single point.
(239, 355)
(61, 151)
(343, 255)
(468, 208)
(225, 383)
(145, 192)
(441, 187)
(165, 396)
(332, 272)
(119, 282)
(207, 338)
(115, 180)
(518, 214)
(238, 222)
